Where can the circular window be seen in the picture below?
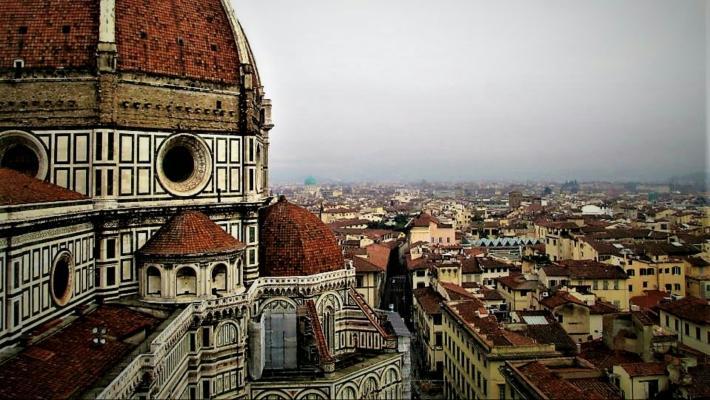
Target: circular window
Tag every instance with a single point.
(62, 278)
(22, 152)
(184, 165)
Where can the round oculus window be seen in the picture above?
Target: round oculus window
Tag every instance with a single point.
(61, 283)
(24, 153)
(184, 165)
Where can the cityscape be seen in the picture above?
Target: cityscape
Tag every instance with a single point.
(499, 230)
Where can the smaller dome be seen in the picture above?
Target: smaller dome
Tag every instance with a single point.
(294, 242)
(190, 233)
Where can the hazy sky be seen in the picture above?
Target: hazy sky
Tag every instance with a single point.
(468, 90)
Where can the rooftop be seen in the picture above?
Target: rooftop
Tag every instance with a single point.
(67, 363)
(17, 188)
(190, 233)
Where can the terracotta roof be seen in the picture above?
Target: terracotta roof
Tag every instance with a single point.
(423, 220)
(17, 188)
(294, 242)
(644, 368)
(470, 266)
(554, 386)
(429, 300)
(650, 299)
(415, 264)
(456, 292)
(489, 330)
(34, 32)
(585, 269)
(364, 265)
(689, 308)
(517, 282)
(177, 38)
(551, 332)
(208, 50)
(190, 233)
(489, 263)
(602, 307)
(67, 363)
(560, 298)
(604, 358)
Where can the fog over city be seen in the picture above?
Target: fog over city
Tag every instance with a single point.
(459, 90)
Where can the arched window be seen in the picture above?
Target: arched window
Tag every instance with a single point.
(227, 334)
(153, 281)
(329, 327)
(348, 393)
(219, 278)
(186, 282)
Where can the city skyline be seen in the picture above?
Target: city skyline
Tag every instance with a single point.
(601, 91)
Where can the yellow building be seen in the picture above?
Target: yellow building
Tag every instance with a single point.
(660, 273)
(476, 346)
(697, 277)
(517, 291)
(689, 318)
(607, 282)
(425, 228)
(426, 316)
(369, 280)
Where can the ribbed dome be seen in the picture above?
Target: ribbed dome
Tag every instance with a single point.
(294, 242)
(177, 38)
(190, 233)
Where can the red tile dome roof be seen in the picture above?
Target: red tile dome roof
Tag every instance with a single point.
(190, 233)
(294, 242)
(174, 38)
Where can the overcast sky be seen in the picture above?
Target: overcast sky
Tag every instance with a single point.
(470, 90)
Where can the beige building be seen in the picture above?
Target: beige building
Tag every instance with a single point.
(689, 318)
(607, 282)
(476, 346)
(697, 276)
(641, 380)
(369, 280)
(518, 291)
(426, 316)
(425, 228)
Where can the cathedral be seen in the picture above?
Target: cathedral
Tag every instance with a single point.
(141, 253)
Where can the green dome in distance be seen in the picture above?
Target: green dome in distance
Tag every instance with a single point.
(310, 181)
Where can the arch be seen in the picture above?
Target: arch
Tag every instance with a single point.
(23, 152)
(370, 387)
(348, 392)
(153, 280)
(329, 326)
(328, 299)
(390, 376)
(273, 395)
(186, 281)
(219, 278)
(277, 303)
(227, 333)
(311, 394)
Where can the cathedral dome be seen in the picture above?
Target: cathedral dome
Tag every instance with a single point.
(294, 242)
(172, 38)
